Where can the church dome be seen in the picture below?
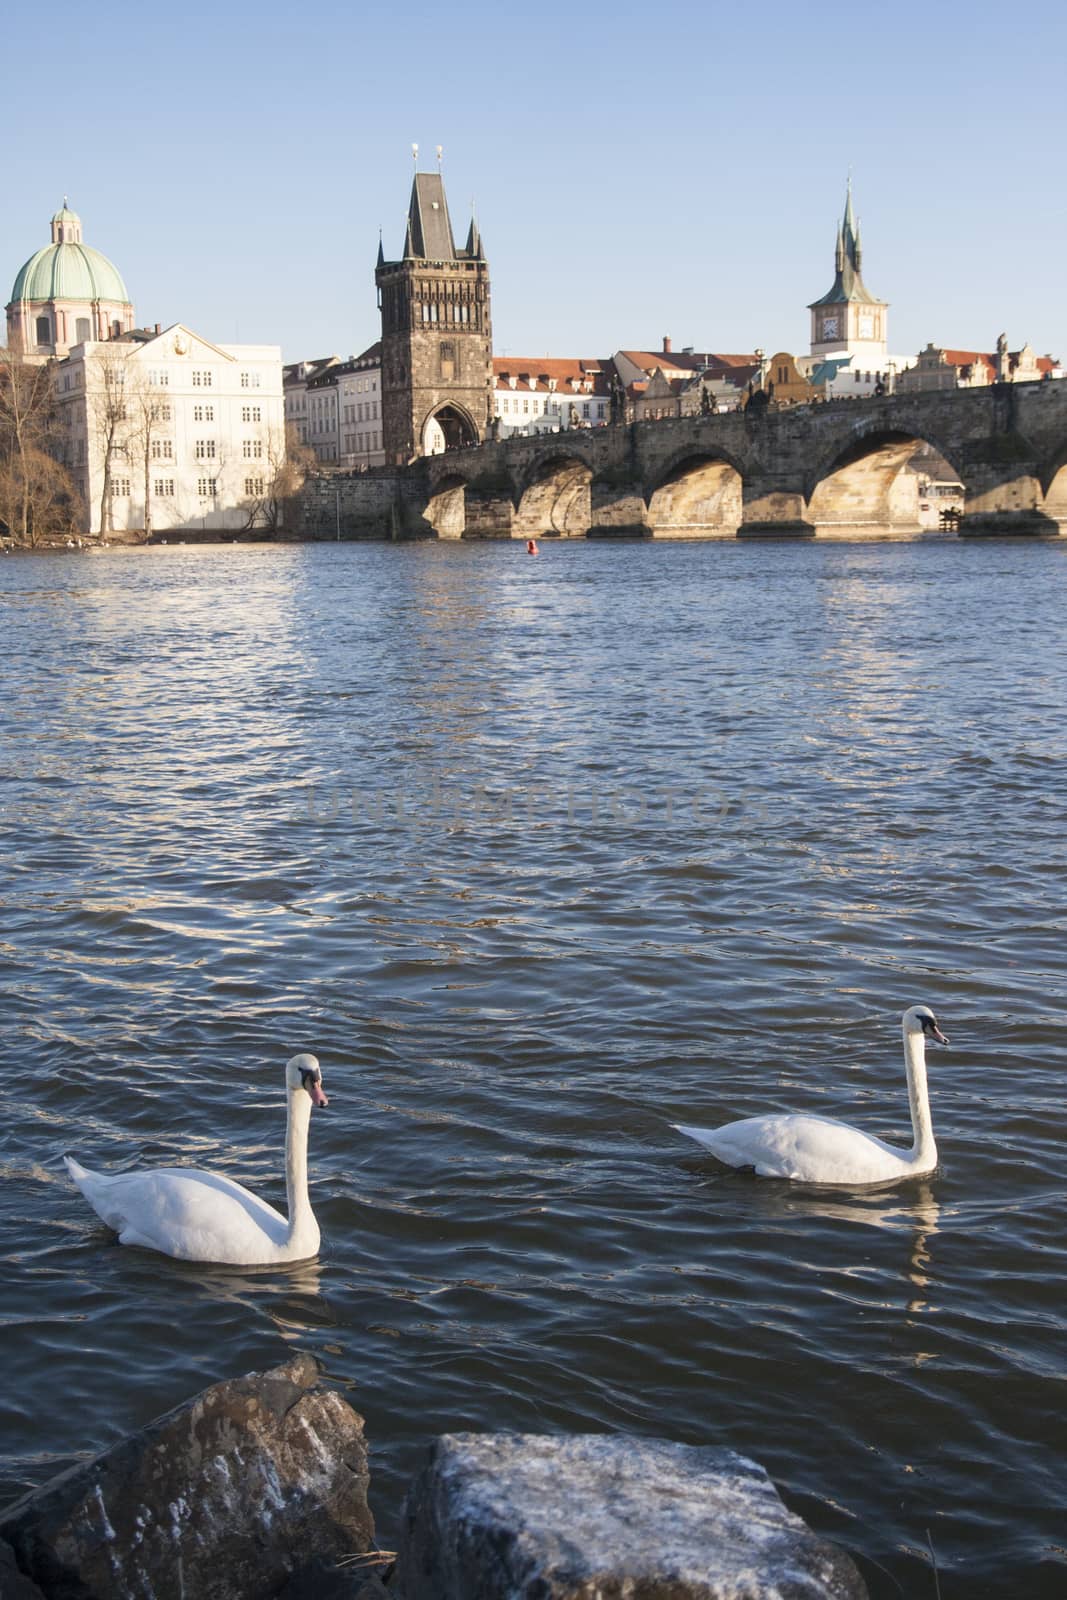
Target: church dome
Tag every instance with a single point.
(66, 269)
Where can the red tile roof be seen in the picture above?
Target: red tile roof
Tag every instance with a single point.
(536, 374)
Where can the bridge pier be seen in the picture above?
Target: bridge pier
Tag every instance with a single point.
(774, 514)
(489, 516)
(618, 512)
(1006, 499)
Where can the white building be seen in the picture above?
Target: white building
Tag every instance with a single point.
(335, 407)
(359, 405)
(544, 394)
(164, 430)
(295, 379)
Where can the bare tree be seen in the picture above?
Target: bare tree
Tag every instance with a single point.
(37, 494)
(286, 463)
(149, 410)
(28, 428)
(109, 418)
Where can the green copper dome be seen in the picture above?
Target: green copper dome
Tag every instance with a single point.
(69, 272)
(66, 269)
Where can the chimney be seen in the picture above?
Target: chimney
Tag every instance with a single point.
(158, 328)
(666, 344)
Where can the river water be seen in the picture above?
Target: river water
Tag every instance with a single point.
(539, 856)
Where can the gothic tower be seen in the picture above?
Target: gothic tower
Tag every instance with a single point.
(437, 343)
(848, 320)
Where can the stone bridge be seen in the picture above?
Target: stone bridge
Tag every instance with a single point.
(829, 470)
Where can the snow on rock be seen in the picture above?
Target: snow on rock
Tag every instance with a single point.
(597, 1517)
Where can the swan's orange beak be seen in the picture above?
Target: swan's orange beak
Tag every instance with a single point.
(314, 1089)
(935, 1033)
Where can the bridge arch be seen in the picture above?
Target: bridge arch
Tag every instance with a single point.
(860, 485)
(698, 495)
(446, 509)
(1054, 487)
(449, 426)
(554, 499)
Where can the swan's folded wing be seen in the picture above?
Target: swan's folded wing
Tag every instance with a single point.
(193, 1215)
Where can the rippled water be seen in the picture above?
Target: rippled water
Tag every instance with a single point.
(739, 805)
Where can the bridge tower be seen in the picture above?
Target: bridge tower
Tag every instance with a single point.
(437, 342)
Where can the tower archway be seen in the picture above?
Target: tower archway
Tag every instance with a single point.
(447, 428)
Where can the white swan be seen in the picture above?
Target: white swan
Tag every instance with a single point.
(810, 1149)
(202, 1216)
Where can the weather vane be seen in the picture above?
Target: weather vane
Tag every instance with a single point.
(415, 154)
(440, 154)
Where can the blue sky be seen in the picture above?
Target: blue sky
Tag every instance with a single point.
(677, 168)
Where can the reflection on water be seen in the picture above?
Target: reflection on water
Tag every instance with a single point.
(512, 1005)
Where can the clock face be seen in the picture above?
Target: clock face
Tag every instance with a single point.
(866, 327)
(829, 327)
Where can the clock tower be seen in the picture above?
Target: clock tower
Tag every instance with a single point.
(848, 321)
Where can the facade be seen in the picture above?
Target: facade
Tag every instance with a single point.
(163, 430)
(849, 356)
(784, 382)
(295, 379)
(437, 343)
(685, 383)
(359, 409)
(335, 408)
(940, 368)
(66, 294)
(543, 394)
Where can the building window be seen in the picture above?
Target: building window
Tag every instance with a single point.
(164, 487)
(162, 449)
(203, 413)
(83, 330)
(44, 330)
(207, 488)
(250, 380)
(202, 380)
(252, 449)
(159, 379)
(205, 449)
(253, 486)
(251, 413)
(120, 487)
(585, 409)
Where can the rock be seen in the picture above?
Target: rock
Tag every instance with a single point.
(220, 1499)
(595, 1517)
(13, 1586)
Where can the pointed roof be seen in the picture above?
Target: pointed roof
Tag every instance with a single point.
(473, 247)
(848, 281)
(429, 235)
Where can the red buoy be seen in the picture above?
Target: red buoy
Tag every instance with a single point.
(531, 547)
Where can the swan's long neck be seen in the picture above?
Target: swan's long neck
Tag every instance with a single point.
(923, 1149)
(301, 1218)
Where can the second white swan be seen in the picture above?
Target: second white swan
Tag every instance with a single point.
(813, 1149)
(195, 1215)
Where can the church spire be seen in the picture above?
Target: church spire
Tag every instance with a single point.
(848, 281)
